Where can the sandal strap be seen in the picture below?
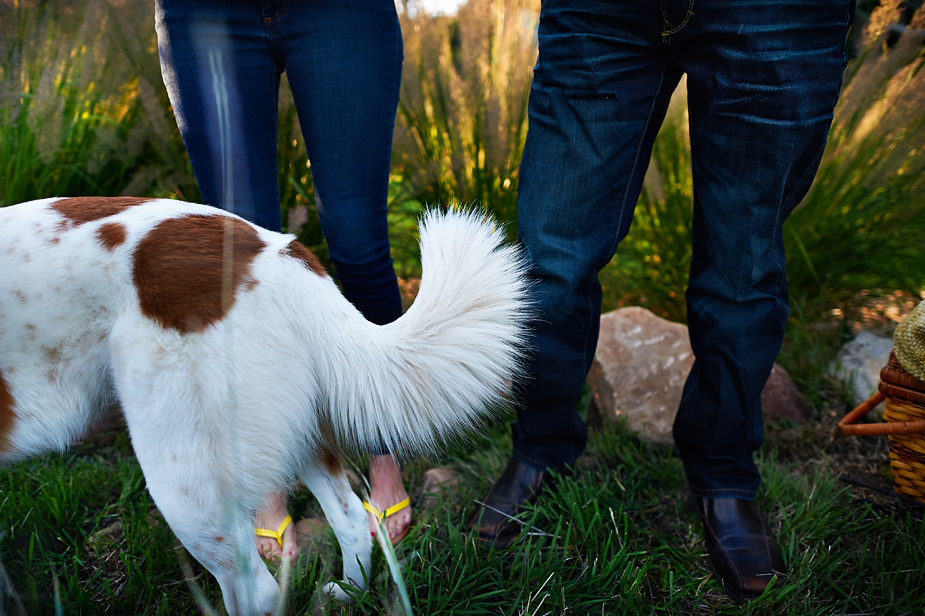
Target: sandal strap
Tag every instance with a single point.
(275, 534)
(381, 515)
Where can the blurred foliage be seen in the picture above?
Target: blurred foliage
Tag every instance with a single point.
(862, 225)
(80, 113)
(83, 111)
(462, 119)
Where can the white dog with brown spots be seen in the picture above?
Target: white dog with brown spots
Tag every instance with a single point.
(237, 363)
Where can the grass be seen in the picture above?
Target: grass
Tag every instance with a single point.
(613, 539)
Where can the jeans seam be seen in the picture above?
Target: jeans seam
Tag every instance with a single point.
(616, 235)
(661, 81)
(274, 114)
(393, 106)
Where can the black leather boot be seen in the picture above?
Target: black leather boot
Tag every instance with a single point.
(495, 520)
(743, 553)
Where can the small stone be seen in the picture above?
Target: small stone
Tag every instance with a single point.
(438, 481)
(108, 537)
(639, 371)
(780, 399)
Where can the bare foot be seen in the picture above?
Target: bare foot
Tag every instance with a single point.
(388, 489)
(270, 518)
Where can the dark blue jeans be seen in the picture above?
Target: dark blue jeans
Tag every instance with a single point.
(222, 60)
(763, 78)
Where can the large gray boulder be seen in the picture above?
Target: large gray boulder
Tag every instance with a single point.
(640, 367)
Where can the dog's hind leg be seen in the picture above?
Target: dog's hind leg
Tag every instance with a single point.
(328, 482)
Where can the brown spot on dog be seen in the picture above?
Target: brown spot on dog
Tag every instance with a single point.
(308, 259)
(7, 414)
(328, 457)
(20, 296)
(173, 457)
(110, 235)
(53, 354)
(187, 269)
(219, 539)
(78, 210)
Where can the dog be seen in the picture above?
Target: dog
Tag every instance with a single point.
(237, 363)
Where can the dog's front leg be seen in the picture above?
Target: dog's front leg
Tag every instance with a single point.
(344, 511)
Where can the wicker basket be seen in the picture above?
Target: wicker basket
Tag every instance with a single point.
(904, 424)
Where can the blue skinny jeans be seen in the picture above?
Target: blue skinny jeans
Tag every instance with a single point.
(763, 78)
(222, 61)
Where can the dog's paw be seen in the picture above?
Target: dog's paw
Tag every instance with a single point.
(334, 590)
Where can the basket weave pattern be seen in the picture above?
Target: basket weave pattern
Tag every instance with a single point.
(907, 451)
(904, 423)
(905, 402)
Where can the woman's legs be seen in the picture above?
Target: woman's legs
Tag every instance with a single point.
(222, 63)
(344, 66)
(344, 60)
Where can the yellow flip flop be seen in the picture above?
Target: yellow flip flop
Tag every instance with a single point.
(382, 515)
(275, 534)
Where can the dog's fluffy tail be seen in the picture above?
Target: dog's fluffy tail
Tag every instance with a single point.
(449, 361)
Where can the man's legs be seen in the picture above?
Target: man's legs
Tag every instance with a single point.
(762, 84)
(600, 90)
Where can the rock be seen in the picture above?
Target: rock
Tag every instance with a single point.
(780, 399)
(438, 482)
(640, 367)
(310, 533)
(107, 538)
(639, 371)
(859, 362)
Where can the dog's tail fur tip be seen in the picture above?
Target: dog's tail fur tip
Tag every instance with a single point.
(445, 367)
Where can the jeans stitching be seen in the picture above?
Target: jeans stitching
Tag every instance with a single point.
(687, 18)
(282, 13)
(393, 103)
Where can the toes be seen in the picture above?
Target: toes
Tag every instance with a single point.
(268, 549)
(397, 523)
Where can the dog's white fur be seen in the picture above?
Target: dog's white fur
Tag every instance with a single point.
(289, 376)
